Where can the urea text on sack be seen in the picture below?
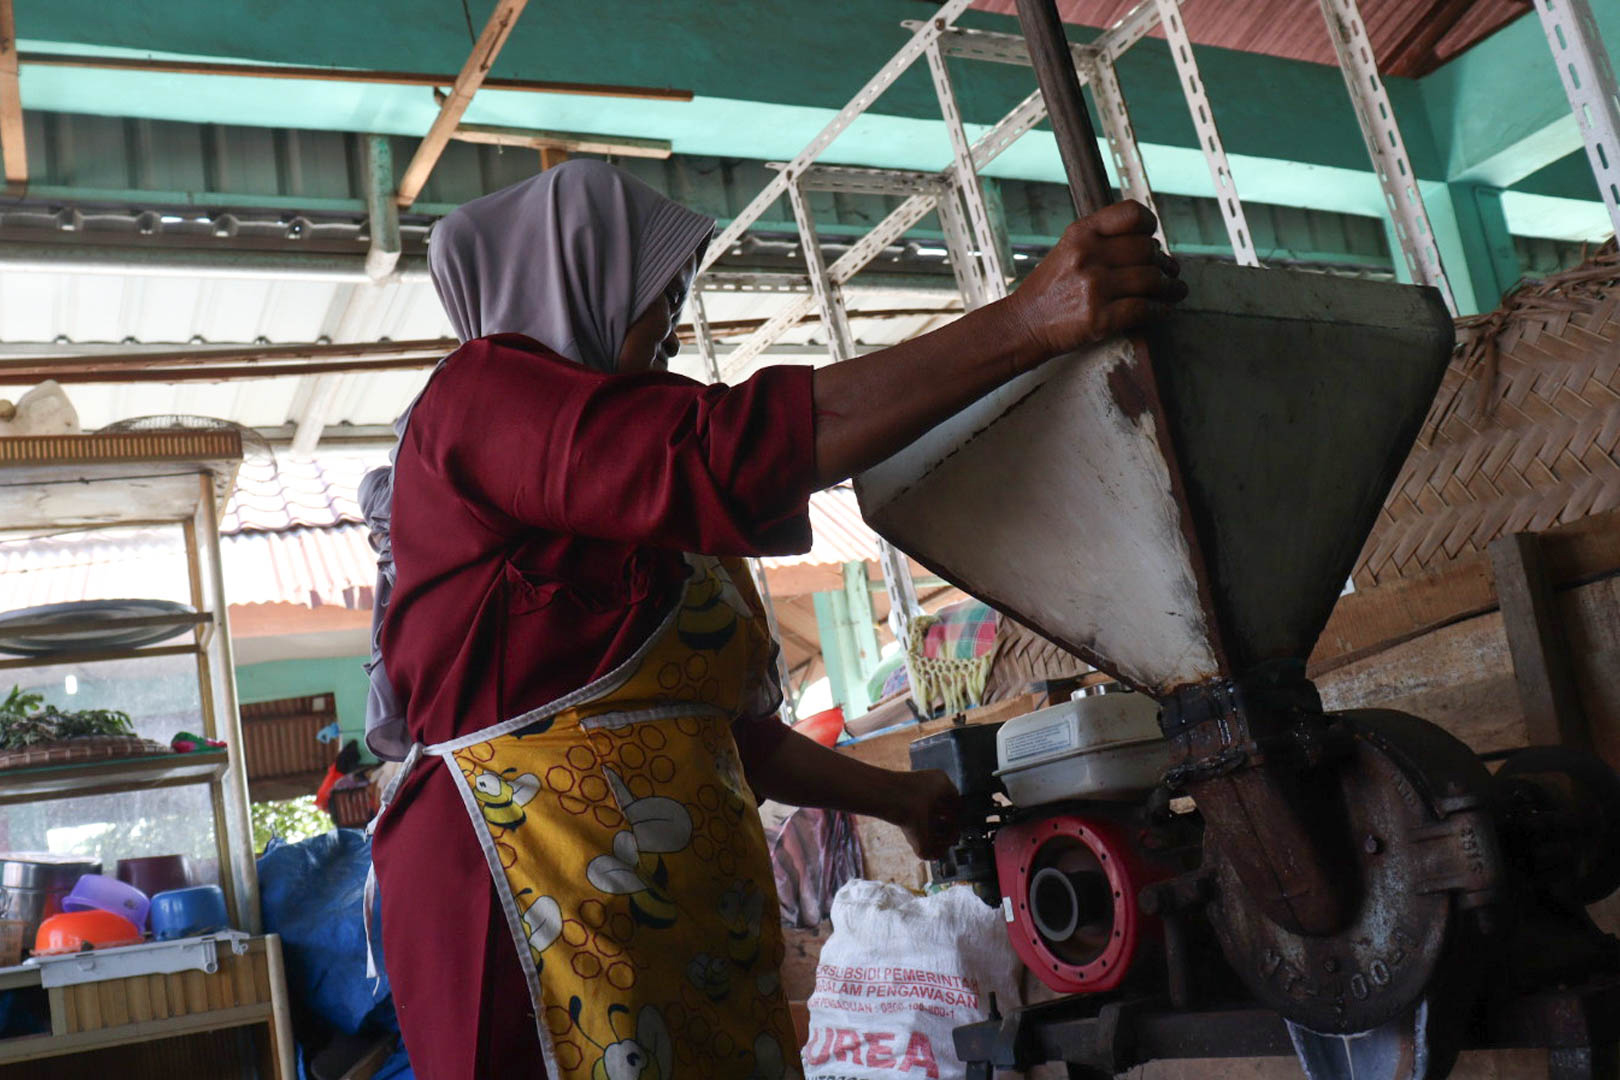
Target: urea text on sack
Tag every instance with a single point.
(872, 1049)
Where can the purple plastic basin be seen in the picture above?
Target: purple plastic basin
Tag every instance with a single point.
(108, 894)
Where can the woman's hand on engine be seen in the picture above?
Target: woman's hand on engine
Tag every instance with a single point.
(928, 810)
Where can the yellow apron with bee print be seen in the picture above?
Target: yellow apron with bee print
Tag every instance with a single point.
(630, 859)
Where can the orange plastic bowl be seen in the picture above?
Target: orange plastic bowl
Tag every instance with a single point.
(72, 931)
(824, 727)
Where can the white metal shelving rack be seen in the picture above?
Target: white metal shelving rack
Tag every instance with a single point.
(181, 479)
(976, 244)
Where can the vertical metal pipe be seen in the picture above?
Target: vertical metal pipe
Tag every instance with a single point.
(1060, 86)
(383, 255)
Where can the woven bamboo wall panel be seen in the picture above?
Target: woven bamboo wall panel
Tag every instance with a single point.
(279, 736)
(1024, 657)
(240, 981)
(102, 448)
(1524, 433)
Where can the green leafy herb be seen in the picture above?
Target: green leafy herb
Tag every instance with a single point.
(25, 720)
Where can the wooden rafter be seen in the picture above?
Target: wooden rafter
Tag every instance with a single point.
(1415, 51)
(566, 141)
(473, 73)
(13, 146)
(344, 75)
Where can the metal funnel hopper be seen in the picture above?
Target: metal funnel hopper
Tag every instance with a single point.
(1182, 505)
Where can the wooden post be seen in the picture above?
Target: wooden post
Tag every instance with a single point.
(13, 147)
(281, 1035)
(472, 75)
(1541, 660)
(552, 155)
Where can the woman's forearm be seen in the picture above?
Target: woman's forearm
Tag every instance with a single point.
(801, 772)
(870, 406)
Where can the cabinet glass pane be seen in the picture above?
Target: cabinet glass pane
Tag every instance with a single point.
(94, 564)
(164, 821)
(159, 693)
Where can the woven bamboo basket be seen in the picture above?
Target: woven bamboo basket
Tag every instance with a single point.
(82, 750)
(353, 807)
(1524, 433)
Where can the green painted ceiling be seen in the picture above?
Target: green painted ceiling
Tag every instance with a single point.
(767, 76)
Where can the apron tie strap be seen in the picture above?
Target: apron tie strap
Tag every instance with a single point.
(405, 767)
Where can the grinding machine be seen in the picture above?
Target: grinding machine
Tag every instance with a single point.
(1207, 863)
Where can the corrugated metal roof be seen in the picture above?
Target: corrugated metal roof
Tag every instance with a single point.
(310, 567)
(841, 534)
(176, 308)
(94, 311)
(318, 556)
(107, 565)
(1293, 28)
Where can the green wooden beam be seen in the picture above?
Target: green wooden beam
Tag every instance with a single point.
(766, 77)
(840, 652)
(1498, 112)
(862, 620)
(1487, 245)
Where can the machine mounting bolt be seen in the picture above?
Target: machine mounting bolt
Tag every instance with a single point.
(1372, 845)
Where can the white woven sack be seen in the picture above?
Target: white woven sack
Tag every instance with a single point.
(898, 975)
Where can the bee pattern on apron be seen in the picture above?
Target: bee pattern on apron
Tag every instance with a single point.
(629, 859)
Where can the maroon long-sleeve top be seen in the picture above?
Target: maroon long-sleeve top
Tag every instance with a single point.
(540, 512)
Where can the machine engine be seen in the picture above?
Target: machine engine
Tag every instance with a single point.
(1458, 889)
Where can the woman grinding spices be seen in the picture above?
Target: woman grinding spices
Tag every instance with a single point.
(573, 875)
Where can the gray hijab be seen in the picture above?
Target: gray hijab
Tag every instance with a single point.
(570, 258)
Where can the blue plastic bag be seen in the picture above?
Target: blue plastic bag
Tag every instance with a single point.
(312, 893)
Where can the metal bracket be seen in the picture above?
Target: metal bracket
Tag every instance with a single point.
(751, 281)
(857, 105)
(1121, 134)
(990, 46)
(1458, 854)
(1588, 78)
(705, 340)
(1131, 27)
(840, 344)
(997, 48)
(857, 180)
(1388, 151)
(959, 245)
(156, 958)
(1209, 139)
(845, 267)
(991, 275)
